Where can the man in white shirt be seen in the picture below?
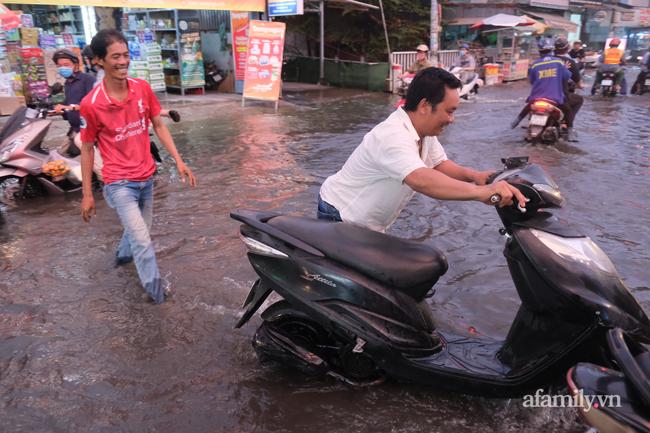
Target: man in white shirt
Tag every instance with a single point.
(401, 156)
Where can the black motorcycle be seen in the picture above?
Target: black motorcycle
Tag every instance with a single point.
(545, 124)
(607, 86)
(355, 300)
(619, 394)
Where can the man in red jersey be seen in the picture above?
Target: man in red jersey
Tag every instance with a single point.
(116, 114)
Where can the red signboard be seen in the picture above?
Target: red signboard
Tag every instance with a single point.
(239, 24)
(264, 61)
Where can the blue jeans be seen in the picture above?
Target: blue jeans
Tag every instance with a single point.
(326, 211)
(133, 202)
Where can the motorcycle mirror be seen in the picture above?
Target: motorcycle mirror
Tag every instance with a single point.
(56, 88)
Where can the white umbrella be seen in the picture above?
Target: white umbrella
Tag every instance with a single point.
(503, 20)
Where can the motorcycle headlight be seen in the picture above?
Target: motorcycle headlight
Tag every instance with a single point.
(581, 250)
(550, 193)
(8, 148)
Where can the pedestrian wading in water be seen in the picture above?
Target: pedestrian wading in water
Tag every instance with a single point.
(117, 114)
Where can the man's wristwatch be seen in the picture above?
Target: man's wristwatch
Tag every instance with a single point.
(74, 107)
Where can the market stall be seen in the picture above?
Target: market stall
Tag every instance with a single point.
(515, 45)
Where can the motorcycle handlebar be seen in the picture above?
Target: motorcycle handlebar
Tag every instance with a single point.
(54, 113)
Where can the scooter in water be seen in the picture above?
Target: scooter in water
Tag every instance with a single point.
(469, 89)
(619, 394)
(607, 87)
(355, 300)
(545, 125)
(403, 88)
(22, 158)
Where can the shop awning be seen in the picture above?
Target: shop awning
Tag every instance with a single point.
(226, 5)
(541, 27)
(465, 21)
(556, 22)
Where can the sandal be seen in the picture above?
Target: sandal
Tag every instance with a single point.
(175, 116)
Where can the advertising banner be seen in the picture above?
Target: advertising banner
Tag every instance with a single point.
(286, 7)
(190, 52)
(239, 23)
(644, 17)
(264, 61)
(551, 4)
(225, 5)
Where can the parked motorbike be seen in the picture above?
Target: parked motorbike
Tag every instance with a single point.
(545, 125)
(469, 89)
(355, 300)
(213, 77)
(620, 393)
(22, 158)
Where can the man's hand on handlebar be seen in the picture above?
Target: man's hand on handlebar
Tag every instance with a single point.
(59, 109)
(507, 192)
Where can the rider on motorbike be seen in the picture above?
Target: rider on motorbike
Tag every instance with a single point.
(421, 63)
(548, 76)
(639, 85)
(467, 62)
(574, 100)
(77, 85)
(578, 53)
(402, 155)
(611, 60)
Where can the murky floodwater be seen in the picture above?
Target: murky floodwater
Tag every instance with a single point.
(82, 348)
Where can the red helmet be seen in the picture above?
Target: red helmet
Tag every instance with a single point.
(615, 42)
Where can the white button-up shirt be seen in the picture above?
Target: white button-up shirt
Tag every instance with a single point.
(369, 190)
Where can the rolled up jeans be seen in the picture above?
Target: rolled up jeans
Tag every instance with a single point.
(133, 202)
(326, 211)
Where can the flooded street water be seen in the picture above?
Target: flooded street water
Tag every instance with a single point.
(83, 349)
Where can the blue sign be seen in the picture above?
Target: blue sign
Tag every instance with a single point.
(290, 7)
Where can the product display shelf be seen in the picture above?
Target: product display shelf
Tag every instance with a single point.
(150, 17)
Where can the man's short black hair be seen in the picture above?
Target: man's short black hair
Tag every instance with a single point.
(430, 84)
(105, 38)
(561, 51)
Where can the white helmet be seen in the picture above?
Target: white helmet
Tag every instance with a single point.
(423, 48)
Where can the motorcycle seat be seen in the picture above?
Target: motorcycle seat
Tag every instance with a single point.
(406, 266)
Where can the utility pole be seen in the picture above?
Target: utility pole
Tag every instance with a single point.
(435, 29)
(383, 21)
(321, 8)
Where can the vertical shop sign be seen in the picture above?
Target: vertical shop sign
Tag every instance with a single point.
(190, 53)
(644, 17)
(239, 23)
(264, 61)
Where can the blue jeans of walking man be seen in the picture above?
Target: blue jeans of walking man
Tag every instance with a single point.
(133, 202)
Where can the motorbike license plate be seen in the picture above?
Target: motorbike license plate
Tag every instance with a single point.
(538, 120)
(607, 82)
(647, 82)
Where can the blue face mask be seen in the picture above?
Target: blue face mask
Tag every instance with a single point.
(462, 52)
(65, 72)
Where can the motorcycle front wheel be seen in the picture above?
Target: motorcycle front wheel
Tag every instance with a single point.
(13, 189)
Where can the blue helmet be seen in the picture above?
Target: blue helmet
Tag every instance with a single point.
(464, 46)
(546, 44)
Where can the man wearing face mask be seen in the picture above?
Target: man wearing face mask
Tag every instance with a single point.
(77, 86)
(466, 62)
(91, 63)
